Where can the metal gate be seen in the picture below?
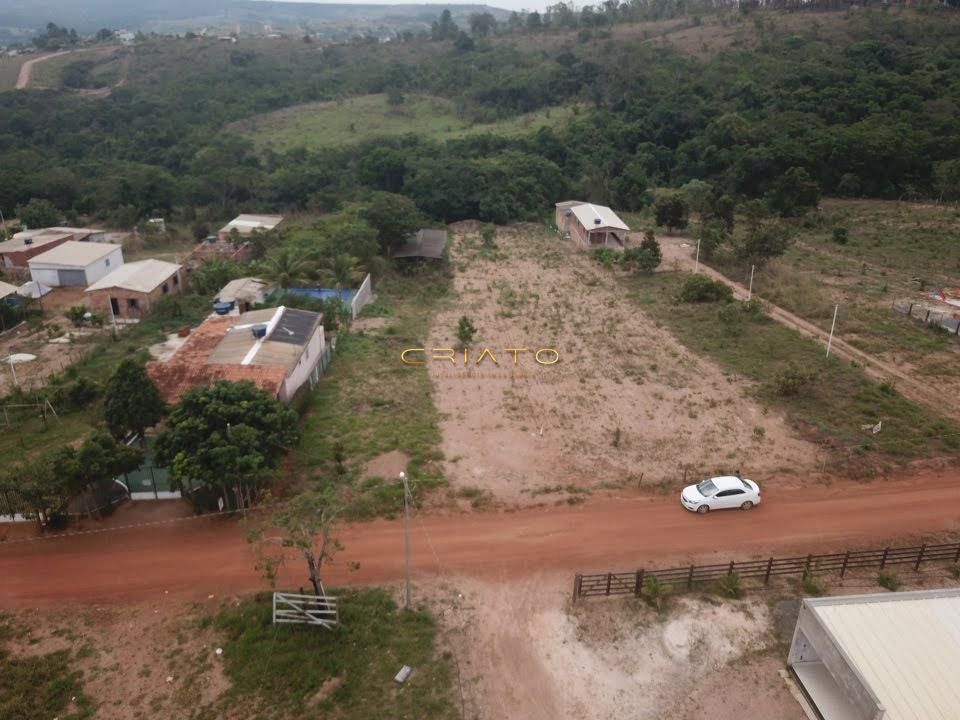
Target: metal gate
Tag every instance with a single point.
(305, 609)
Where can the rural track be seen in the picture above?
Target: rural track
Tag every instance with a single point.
(26, 70)
(872, 366)
(194, 558)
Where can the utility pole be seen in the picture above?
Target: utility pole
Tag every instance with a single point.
(406, 536)
(696, 264)
(750, 291)
(833, 326)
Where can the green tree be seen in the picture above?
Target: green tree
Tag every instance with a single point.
(287, 267)
(210, 277)
(698, 194)
(343, 271)
(444, 28)
(671, 209)
(131, 401)
(763, 242)
(713, 236)
(463, 43)
(793, 192)
(38, 213)
(306, 525)
(45, 492)
(393, 217)
(646, 257)
(226, 438)
(947, 179)
(483, 24)
(99, 459)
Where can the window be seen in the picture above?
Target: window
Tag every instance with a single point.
(706, 488)
(107, 262)
(166, 289)
(176, 280)
(729, 493)
(133, 304)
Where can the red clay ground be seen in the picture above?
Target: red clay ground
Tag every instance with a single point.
(192, 558)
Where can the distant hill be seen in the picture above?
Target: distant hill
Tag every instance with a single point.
(20, 19)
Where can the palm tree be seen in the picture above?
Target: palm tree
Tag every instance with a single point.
(287, 268)
(343, 271)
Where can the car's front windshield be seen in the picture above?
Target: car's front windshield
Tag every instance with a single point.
(706, 488)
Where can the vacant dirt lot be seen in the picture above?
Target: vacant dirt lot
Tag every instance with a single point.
(625, 404)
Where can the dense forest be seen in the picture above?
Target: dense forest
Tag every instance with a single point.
(852, 104)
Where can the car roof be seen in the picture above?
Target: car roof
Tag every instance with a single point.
(728, 482)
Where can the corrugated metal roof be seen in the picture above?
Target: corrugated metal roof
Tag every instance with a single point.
(141, 276)
(6, 289)
(74, 253)
(588, 214)
(426, 243)
(248, 223)
(906, 647)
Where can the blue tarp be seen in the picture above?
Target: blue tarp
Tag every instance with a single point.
(321, 293)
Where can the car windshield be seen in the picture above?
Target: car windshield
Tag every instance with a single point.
(706, 488)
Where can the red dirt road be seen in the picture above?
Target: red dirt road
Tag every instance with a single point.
(199, 557)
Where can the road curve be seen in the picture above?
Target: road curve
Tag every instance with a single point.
(197, 557)
(26, 70)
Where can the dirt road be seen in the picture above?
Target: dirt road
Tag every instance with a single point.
(196, 557)
(872, 366)
(26, 70)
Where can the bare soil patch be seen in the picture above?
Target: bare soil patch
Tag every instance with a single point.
(387, 465)
(55, 348)
(626, 403)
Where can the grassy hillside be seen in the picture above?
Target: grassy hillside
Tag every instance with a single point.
(333, 124)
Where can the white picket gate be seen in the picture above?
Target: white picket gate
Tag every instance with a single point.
(292, 608)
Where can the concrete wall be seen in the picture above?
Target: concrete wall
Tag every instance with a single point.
(312, 354)
(812, 644)
(362, 297)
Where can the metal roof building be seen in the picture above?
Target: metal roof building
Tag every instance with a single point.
(591, 225)
(75, 263)
(249, 224)
(888, 656)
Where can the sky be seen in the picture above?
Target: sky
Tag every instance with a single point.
(539, 5)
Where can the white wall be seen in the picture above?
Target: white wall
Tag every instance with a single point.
(47, 273)
(311, 356)
(104, 266)
(362, 297)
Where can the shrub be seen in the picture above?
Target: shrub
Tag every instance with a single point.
(731, 586)
(76, 314)
(840, 235)
(813, 584)
(465, 331)
(608, 257)
(701, 289)
(792, 381)
(644, 258)
(655, 593)
(489, 233)
(889, 580)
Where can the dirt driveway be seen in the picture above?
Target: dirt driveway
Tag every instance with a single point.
(625, 403)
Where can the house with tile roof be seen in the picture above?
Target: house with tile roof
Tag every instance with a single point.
(277, 349)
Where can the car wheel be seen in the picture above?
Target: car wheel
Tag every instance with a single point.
(747, 505)
(703, 509)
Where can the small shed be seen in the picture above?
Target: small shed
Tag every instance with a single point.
(245, 292)
(591, 226)
(424, 244)
(888, 656)
(128, 291)
(75, 264)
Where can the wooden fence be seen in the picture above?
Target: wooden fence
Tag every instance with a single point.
(631, 583)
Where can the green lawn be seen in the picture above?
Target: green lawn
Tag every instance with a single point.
(370, 403)
(332, 124)
(831, 409)
(277, 671)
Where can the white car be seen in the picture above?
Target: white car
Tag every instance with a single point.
(721, 493)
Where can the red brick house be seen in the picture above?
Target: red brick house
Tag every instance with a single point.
(591, 226)
(128, 291)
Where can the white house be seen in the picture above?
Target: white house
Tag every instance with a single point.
(75, 264)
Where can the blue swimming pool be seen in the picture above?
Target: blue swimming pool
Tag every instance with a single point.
(321, 293)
